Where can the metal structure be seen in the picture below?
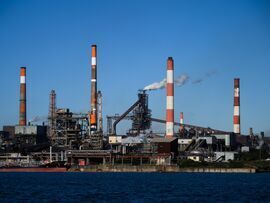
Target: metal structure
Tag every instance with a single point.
(68, 129)
(111, 119)
(181, 120)
(93, 110)
(170, 98)
(140, 116)
(236, 111)
(22, 119)
(95, 118)
(192, 127)
(75, 131)
(100, 118)
(52, 114)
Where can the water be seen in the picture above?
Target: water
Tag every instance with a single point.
(134, 187)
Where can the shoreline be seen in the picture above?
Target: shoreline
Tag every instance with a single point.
(159, 168)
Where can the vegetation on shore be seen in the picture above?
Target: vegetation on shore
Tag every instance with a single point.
(254, 159)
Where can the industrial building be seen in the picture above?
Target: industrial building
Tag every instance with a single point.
(79, 139)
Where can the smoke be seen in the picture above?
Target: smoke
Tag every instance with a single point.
(38, 119)
(207, 75)
(197, 81)
(179, 81)
(156, 85)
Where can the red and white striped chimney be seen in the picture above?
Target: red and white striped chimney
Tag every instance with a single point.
(170, 98)
(181, 120)
(236, 110)
(93, 110)
(22, 119)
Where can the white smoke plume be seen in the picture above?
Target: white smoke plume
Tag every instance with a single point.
(179, 81)
(207, 75)
(38, 119)
(156, 85)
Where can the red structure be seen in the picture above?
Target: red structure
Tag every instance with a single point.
(22, 119)
(170, 98)
(93, 112)
(236, 111)
(181, 120)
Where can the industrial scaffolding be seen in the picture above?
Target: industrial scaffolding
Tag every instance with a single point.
(68, 129)
(138, 113)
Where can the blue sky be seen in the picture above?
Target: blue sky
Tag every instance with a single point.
(134, 38)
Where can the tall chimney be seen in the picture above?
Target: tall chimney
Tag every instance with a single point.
(236, 111)
(22, 119)
(93, 112)
(100, 119)
(52, 113)
(181, 120)
(170, 98)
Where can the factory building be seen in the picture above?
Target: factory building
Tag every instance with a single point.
(30, 135)
(165, 145)
(79, 138)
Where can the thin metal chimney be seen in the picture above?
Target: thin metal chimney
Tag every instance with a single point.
(181, 120)
(100, 118)
(52, 114)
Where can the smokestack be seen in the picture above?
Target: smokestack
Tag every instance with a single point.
(22, 119)
(52, 113)
(181, 120)
(170, 98)
(93, 112)
(236, 111)
(251, 132)
(52, 108)
(100, 119)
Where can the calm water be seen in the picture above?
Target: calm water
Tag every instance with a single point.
(134, 187)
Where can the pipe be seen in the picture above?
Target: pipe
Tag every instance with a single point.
(93, 112)
(199, 128)
(236, 111)
(170, 98)
(181, 120)
(100, 118)
(124, 115)
(50, 154)
(22, 119)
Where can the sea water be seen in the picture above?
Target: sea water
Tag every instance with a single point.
(134, 187)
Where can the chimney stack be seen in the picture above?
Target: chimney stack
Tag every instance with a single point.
(22, 119)
(100, 118)
(52, 113)
(236, 111)
(181, 120)
(93, 112)
(170, 99)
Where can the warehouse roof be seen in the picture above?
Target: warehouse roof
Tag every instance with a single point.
(163, 139)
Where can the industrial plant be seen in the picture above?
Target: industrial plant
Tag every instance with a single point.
(80, 140)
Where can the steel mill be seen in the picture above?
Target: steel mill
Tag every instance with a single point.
(80, 140)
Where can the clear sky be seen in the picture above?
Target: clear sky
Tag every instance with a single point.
(53, 39)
